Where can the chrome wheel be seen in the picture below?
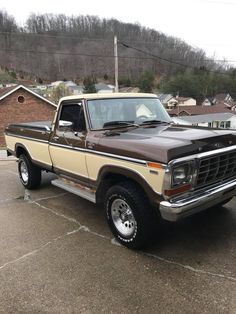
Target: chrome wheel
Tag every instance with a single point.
(123, 218)
(24, 172)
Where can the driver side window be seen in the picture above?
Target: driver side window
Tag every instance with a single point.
(73, 113)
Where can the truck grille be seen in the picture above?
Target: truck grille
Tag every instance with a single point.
(216, 169)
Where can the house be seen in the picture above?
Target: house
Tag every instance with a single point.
(56, 83)
(168, 100)
(225, 120)
(129, 90)
(186, 101)
(69, 84)
(76, 90)
(233, 107)
(42, 87)
(207, 102)
(198, 110)
(218, 99)
(20, 104)
(222, 98)
(103, 88)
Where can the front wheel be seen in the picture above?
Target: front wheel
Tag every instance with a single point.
(30, 175)
(129, 215)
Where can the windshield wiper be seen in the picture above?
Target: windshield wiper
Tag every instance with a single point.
(120, 123)
(153, 122)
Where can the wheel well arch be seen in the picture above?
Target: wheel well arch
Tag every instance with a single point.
(111, 175)
(21, 149)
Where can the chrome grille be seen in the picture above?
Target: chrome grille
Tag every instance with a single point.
(216, 168)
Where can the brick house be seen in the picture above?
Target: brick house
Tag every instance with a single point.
(20, 104)
(198, 110)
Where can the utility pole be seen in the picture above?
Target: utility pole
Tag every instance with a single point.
(116, 64)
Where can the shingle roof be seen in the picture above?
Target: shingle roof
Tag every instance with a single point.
(102, 86)
(6, 90)
(221, 97)
(223, 116)
(164, 98)
(182, 99)
(198, 110)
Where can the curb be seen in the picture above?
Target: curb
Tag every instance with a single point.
(4, 157)
(8, 159)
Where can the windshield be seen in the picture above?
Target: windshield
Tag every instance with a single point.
(111, 112)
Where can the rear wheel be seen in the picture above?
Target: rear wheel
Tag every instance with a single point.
(129, 215)
(30, 175)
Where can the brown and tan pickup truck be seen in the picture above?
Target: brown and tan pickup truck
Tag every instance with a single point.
(123, 150)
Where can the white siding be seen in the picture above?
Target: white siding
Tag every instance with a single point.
(189, 102)
(233, 122)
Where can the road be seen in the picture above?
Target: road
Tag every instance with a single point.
(57, 255)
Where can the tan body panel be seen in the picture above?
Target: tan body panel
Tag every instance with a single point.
(96, 162)
(69, 160)
(37, 150)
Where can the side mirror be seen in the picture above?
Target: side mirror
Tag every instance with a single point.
(65, 125)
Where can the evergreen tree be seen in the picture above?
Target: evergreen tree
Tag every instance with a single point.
(89, 84)
(146, 82)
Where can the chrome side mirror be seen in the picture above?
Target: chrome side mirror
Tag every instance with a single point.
(64, 125)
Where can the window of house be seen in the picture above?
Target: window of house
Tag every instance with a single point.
(21, 99)
(228, 124)
(222, 124)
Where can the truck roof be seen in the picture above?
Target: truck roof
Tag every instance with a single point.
(108, 95)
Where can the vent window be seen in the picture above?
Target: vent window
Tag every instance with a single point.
(21, 99)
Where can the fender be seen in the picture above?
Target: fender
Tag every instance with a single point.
(18, 146)
(107, 172)
(36, 163)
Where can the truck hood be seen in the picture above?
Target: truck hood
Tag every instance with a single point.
(163, 143)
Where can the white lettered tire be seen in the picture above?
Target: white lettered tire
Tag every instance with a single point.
(30, 175)
(129, 215)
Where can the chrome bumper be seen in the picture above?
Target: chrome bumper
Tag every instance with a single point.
(181, 208)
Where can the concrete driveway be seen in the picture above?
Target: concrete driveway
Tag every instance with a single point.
(57, 255)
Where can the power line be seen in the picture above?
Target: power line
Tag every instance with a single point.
(104, 40)
(172, 61)
(74, 54)
(73, 37)
(152, 56)
(56, 36)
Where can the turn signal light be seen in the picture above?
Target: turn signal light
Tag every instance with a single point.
(155, 165)
(178, 190)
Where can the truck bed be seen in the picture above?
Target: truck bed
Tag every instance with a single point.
(38, 125)
(39, 130)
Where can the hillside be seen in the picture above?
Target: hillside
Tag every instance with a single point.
(56, 46)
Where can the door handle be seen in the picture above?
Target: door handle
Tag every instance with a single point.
(55, 138)
(90, 145)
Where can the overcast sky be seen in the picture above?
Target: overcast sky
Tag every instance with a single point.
(207, 24)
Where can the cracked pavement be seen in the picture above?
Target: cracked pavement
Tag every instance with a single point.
(57, 255)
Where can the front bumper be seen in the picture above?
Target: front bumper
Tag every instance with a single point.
(181, 208)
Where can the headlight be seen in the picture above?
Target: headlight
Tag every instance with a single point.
(181, 174)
